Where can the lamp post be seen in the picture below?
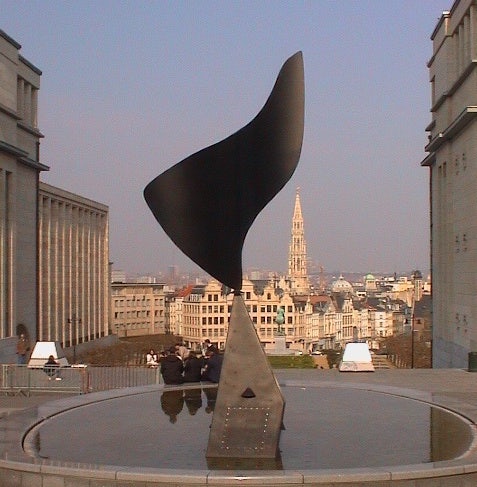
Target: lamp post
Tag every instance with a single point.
(74, 321)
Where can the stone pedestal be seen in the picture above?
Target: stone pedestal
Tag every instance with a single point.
(280, 346)
(249, 410)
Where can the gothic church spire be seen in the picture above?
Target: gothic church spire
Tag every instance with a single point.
(297, 268)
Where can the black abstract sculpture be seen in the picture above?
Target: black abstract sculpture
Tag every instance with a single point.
(207, 202)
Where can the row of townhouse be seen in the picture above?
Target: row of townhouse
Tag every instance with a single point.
(311, 322)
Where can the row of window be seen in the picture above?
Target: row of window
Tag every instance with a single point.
(137, 314)
(121, 303)
(215, 297)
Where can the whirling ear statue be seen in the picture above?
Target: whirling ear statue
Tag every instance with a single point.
(207, 202)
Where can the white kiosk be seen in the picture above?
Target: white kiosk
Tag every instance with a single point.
(356, 358)
(43, 350)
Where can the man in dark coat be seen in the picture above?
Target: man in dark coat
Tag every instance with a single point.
(171, 368)
(213, 365)
(193, 367)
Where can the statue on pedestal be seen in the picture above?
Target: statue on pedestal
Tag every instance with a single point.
(280, 320)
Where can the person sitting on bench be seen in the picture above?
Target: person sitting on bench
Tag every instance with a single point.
(52, 368)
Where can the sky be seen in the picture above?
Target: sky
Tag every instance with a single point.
(130, 88)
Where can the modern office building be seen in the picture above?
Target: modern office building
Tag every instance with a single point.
(54, 249)
(452, 161)
(20, 169)
(138, 309)
(74, 276)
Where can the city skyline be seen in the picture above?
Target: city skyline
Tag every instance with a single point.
(124, 97)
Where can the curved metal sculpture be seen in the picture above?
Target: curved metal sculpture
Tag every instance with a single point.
(207, 202)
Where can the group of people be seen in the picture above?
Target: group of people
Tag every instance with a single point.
(179, 365)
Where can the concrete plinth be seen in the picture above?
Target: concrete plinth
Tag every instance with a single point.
(249, 410)
(280, 345)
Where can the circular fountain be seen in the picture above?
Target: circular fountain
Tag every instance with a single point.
(326, 428)
(332, 433)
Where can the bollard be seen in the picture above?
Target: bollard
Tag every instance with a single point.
(472, 362)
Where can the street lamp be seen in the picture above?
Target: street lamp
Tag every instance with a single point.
(74, 321)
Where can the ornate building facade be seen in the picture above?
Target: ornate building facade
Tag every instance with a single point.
(206, 312)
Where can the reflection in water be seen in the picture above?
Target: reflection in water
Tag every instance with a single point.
(172, 403)
(193, 400)
(326, 428)
(447, 435)
(211, 395)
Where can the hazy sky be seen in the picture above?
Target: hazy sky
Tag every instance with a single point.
(130, 88)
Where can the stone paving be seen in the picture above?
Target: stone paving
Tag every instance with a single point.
(454, 389)
(451, 388)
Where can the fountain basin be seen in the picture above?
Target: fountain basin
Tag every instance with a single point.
(41, 440)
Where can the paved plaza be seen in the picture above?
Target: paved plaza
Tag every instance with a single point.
(447, 387)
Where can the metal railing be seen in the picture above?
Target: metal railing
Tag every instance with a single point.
(21, 379)
(104, 378)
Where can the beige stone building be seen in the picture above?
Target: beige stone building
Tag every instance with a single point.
(138, 309)
(20, 168)
(452, 161)
(73, 255)
(205, 311)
